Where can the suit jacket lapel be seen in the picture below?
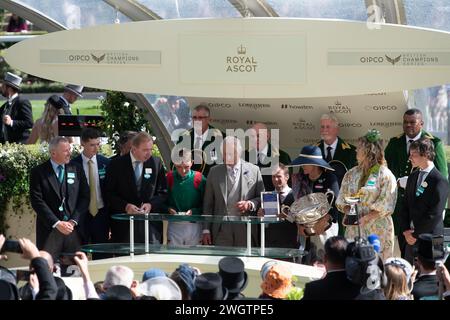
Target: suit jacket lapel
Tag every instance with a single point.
(53, 180)
(223, 182)
(243, 181)
(71, 187)
(146, 183)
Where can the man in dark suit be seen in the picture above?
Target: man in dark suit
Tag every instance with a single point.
(283, 234)
(263, 153)
(71, 94)
(60, 196)
(202, 137)
(335, 285)
(96, 223)
(232, 189)
(136, 184)
(397, 158)
(340, 154)
(16, 115)
(426, 285)
(426, 195)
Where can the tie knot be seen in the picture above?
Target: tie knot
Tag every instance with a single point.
(329, 148)
(90, 161)
(410, 141)
(60, 167)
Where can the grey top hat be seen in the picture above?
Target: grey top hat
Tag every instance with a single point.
(12, 80)
(75, 89)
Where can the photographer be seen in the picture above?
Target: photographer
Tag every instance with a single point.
(47, 285)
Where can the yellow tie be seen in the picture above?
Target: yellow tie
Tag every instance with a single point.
(93, 207)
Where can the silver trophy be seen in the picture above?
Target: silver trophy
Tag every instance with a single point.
(310, 210)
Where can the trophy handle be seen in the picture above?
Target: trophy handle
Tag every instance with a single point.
(329, 191)
(285, 209)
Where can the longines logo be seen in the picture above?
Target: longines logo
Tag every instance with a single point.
(241, 62)
(267, 123)
(350, 125)
(254, 106)
(338, 107)
(381, 108)
(296, 107)
(218, 105)
(302, 124)
(224, 121)
(386, 124)
(306, 140)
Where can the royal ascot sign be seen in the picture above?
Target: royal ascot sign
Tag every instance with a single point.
(251, 58)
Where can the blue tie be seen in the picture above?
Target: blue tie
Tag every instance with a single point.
(60, 174)
(137, 172)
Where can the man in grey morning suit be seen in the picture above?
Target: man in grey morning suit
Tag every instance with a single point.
(232, 189)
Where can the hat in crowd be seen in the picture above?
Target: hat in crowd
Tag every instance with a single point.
(188, 275)
(208, 286)
(153, 273)
(424, 247)
(8, 288)
(118, 292)
(402, 263)
(277, 281)
(232, 271)
(75, 89)
(56, 101)
(311, 155)
(12, 80)
(161, 288)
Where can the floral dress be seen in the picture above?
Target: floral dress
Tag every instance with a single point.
(379, 193)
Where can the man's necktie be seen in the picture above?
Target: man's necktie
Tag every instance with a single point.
(93, 207)
(329, 157)
(198, 143)
(420, 179)
(60, 174)
(409, 144)
(138, 173)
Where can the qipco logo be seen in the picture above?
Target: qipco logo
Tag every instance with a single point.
(79, 57)
(381, 108)
(369, 60)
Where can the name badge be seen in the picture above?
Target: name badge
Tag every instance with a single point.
(147, 176)
(371, 182)
(102, 173)
(148, 170)
(70, 181)
(60, 208)
(319, 186)
(71, 175)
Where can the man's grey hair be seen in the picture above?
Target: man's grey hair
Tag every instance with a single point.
(330, 116)
(231, 140)
(53, 144)
(203, 107)
(118, 275)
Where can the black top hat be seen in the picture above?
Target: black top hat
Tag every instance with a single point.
(311, 155)
(208, 286)
(232, 271)
(56, 101)
(424, 247)
(118, 292)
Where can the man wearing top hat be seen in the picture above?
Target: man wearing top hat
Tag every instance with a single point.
(71, 93)
(426, 285)
(16, 115)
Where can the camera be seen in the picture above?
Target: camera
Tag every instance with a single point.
(23, 275)
(67, 259)
(12, 246)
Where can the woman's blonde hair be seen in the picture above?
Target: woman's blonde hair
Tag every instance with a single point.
(373, 152)
(397, 283)
(49, 116)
